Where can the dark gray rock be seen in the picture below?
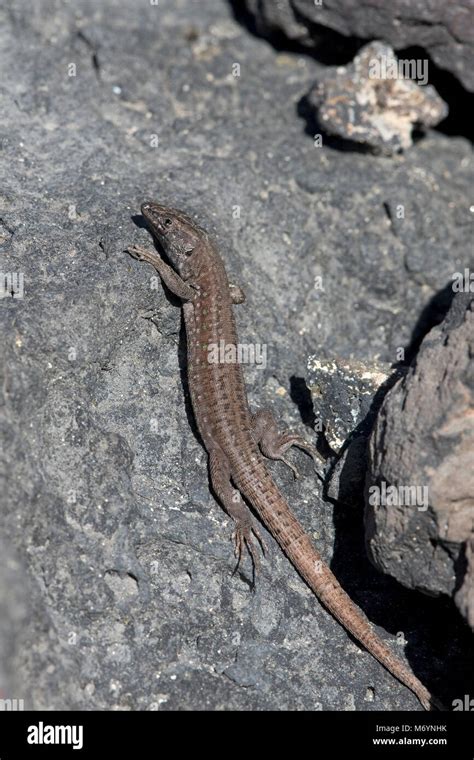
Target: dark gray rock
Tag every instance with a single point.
(13, 615)
(424, 439)
(126, 557)
(443, 29)
(345, 482)
(346, 395)
(372, 101)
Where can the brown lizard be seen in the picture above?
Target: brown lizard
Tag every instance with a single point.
(234, 438)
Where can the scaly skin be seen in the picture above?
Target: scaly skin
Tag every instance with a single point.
(229, 432)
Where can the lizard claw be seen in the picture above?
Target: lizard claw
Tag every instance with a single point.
(243, 539)
(292, 467)
(136, 251)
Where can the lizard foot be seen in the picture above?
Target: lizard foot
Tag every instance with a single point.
(243, 539)
(274, 444)
(140, 253)
(288, 439)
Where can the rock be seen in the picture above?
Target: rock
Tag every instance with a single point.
(465, 596)
(13, 615)
(373, 102)
(345, 482)
(125, 555)
(344, 395)
(423, 443)
(443, 30)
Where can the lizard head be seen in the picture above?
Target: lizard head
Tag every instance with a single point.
(176, 232)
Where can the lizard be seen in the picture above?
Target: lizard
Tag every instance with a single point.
(237, 441)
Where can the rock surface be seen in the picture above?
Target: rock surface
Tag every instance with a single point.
(443, 29)
(126, 557)
(424, 439)
(13, 615)
(346, 396)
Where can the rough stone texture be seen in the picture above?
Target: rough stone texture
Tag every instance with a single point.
(13, 614)
(126, 557)
(346, 396)
(369, 102)
(444, 30)
(424, 437)
(465, 596)
(343, 394)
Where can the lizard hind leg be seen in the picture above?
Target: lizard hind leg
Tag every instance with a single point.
(236, 508)
(274, 444)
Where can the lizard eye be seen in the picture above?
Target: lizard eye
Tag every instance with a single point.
(168, 222)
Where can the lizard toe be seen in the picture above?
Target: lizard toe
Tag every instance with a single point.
(243, 539)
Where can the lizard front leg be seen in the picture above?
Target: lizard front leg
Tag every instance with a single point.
(274, 444)
(171, 279)
(235, 507)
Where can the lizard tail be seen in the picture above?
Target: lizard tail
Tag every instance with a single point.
(322, 581)
(308, 562)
